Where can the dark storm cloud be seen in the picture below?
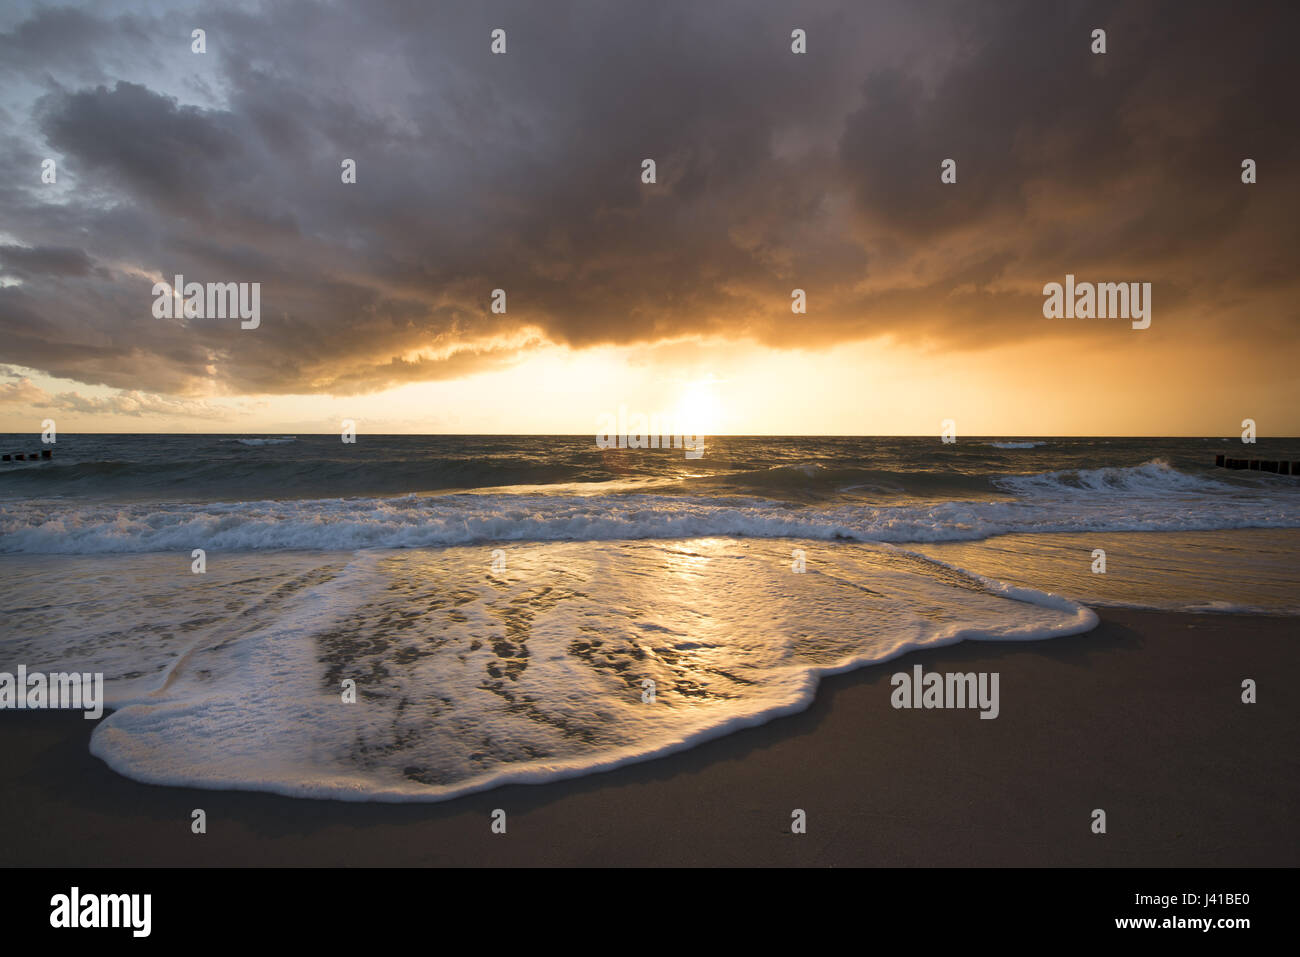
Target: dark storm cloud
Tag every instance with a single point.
(521, 172)
(26, 262)
(147, 145)
(62, 39)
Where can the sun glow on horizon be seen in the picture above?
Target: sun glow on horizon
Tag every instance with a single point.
(700, 410)
(709, 388)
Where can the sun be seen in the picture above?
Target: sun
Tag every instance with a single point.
(699, 411)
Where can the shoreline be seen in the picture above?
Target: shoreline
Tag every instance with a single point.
(1141, 716)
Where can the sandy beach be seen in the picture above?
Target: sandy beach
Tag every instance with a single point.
(1141, 717)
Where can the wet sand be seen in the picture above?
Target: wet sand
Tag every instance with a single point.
(1141, 717)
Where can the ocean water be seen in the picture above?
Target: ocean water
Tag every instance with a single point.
(504, 605)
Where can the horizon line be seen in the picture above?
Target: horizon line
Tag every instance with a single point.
(729, 435)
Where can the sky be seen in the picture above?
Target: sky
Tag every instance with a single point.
(774, 171)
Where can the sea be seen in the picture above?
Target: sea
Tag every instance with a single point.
(417, 617)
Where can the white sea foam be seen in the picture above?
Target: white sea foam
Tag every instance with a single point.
(1150, 497)
(278, 440)
(470, 680)
(1154, 478)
